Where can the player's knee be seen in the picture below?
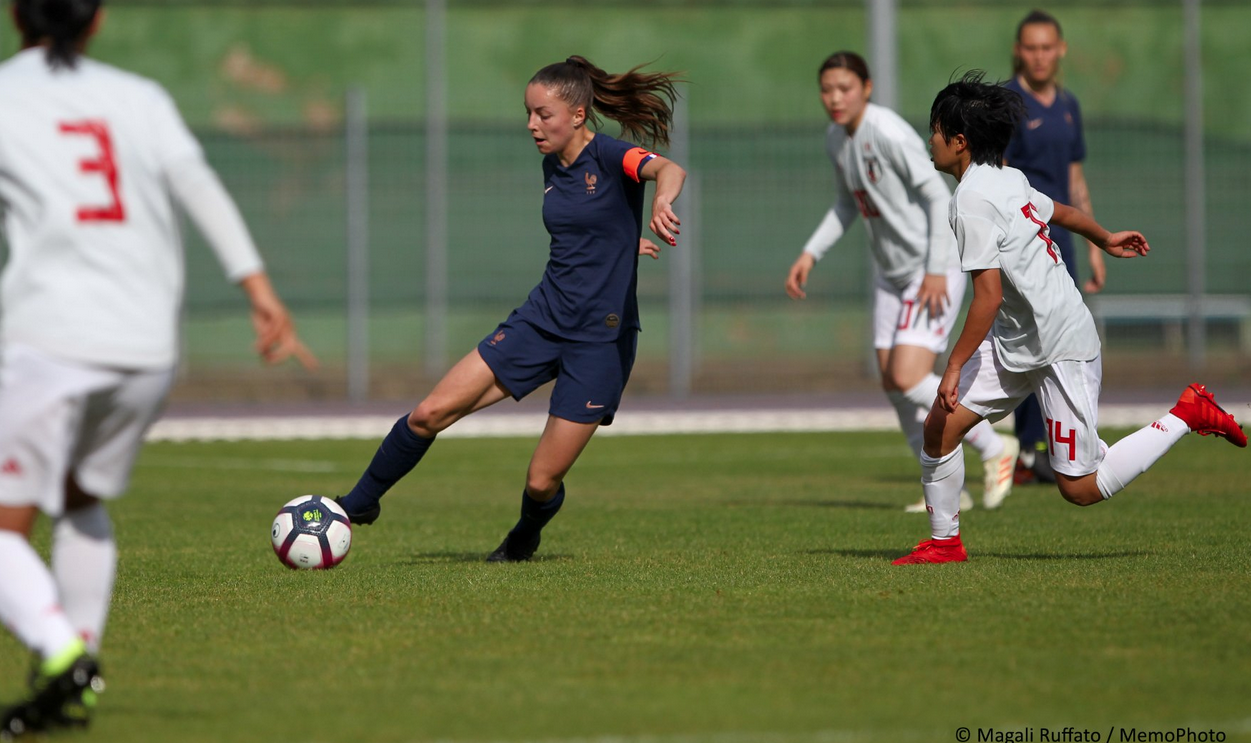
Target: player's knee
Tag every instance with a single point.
(1079, 493)
(429, 418)
(542, 487)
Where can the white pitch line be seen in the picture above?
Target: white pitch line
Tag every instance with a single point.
(627, 424)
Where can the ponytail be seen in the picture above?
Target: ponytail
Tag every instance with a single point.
(641, 102)
(60, 24)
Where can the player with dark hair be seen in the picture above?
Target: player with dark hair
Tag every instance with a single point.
(884, 173)
(580, 324)
(1048, 146)
(1027, 330)
(92, 161)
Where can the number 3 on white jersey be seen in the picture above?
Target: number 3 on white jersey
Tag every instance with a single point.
(103, 165)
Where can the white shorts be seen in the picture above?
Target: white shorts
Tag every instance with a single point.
(59, 418)
(1068, 393)
(898, 320)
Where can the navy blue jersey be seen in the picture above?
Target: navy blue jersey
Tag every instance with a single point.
(1047, 142)
(593, 210)
(1044, 146)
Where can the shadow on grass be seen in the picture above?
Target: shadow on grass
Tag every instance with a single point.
(858, 504)
(1061, 555)
(430, 558)
(892, 554)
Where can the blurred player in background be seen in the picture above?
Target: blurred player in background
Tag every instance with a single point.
(884, 173)
(91, 160)
(1027, 330)
(1048, 146)
(580, 325)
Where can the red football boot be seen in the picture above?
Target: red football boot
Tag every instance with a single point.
(935, 550)
(1198, 408)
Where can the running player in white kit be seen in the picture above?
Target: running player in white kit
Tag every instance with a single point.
(885, 175)
(1027, 329)
(91, 160)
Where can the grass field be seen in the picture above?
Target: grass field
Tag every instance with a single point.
(725, 589)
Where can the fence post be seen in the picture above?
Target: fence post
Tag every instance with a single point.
(436, 189)
(683, 281)
(883, 50)
(1196, 221)
(356, 131)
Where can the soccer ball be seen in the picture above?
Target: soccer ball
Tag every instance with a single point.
(311, 533)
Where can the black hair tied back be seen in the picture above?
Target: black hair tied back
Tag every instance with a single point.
(58, 24)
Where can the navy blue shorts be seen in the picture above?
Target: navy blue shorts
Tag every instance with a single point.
(590, 377)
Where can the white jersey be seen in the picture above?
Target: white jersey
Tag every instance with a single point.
(95, 269)
(1000, 222)
(884, 173)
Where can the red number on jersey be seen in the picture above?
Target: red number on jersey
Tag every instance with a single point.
(1055, 435)
(1030, 212)
(102, 164)
(905, 317)
(867, 209)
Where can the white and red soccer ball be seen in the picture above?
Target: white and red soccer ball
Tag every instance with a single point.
(311, 533)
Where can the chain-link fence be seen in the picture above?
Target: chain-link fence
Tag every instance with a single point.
(264, 86)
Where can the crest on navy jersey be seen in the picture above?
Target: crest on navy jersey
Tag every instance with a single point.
(591, 179)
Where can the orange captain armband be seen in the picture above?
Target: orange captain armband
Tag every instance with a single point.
(634, 161)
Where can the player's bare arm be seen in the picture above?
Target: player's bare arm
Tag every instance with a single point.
(669, 177)
(797, 278)
(1126, 244)
(276, 339)
(987, 296)
(1079, 192)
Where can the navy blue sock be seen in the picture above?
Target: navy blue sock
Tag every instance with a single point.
(398, 454)
(535, 514)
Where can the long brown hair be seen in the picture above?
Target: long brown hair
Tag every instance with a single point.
(641, 102)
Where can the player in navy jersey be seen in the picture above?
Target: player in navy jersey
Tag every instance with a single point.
(580, 324)
(1048, 146)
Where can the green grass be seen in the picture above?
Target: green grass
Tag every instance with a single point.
(695, 588)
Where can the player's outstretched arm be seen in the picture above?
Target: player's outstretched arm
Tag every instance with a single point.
(669, 177)
(276, 339)
(1127, 244)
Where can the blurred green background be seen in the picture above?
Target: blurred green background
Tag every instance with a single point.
(264, 86)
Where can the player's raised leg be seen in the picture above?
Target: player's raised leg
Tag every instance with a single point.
(560, 446)
(1195, 412)
(468, 386)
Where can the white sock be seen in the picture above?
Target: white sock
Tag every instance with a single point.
(28, 601)
(84, 562)
(913, 429)
(924, 393)
(941, 481)
(982, 437)
(1134, 454)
